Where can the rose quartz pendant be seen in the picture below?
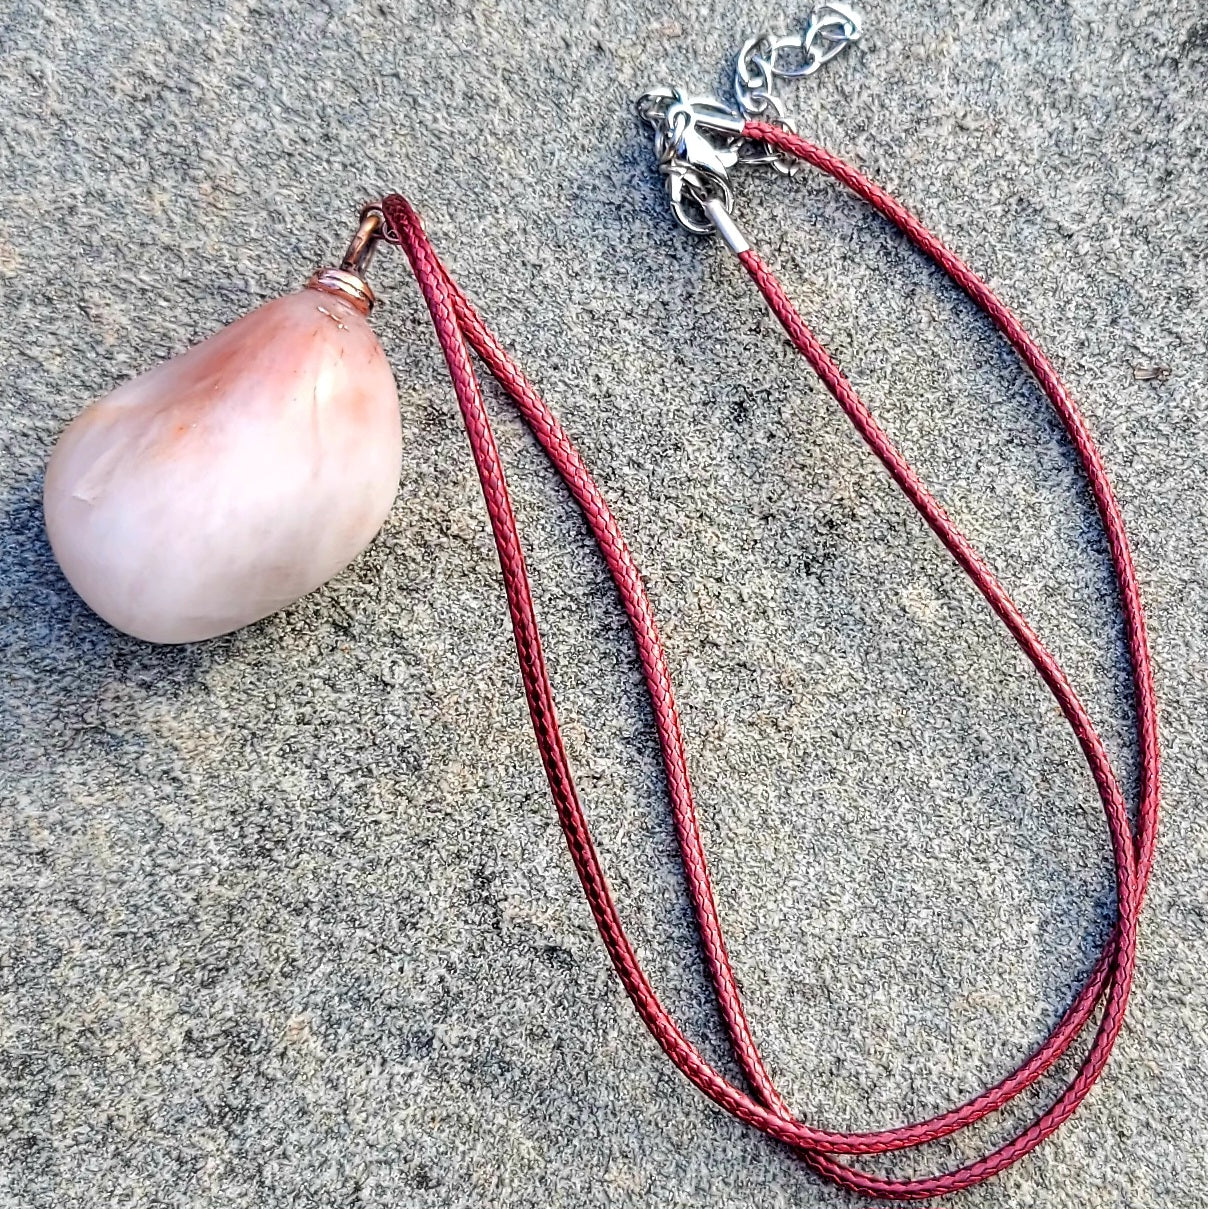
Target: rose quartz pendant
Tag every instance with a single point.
(226, 483)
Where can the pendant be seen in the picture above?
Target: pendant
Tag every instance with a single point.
(224, 484)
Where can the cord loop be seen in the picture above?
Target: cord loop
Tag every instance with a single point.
(458, 328)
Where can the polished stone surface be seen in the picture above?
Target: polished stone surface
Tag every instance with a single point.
(225, 483)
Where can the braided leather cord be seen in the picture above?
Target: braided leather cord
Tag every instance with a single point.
(458, 328)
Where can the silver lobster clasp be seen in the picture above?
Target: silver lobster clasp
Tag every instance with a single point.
(697, 141)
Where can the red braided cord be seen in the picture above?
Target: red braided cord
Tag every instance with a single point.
(456, 324)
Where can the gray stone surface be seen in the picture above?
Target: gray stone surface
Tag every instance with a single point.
(287, 918)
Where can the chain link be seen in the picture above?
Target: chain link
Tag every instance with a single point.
(766, 58)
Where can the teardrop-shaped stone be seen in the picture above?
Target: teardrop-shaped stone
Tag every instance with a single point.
(227, 482)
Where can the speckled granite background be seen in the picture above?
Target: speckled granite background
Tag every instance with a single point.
(286, 917)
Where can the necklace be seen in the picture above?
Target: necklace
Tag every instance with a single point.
(170, 571)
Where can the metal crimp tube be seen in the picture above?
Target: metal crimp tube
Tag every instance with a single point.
(725, 225)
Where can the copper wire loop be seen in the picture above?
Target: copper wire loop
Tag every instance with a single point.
(348, 281)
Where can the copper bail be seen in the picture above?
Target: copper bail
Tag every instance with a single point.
(348, 281)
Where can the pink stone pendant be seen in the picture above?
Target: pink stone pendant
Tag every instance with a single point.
(226, 483)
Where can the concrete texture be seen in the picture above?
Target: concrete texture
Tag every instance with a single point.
(286, 917)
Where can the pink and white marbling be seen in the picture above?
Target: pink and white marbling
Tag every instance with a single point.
(226, 483)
